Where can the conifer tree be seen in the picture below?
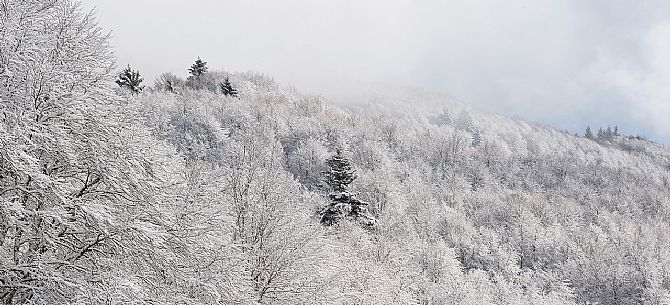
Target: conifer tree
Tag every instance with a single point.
(343, 204)
(588, 134)
(227, 88)
(131, 80)
(340, 173)
(198, 68)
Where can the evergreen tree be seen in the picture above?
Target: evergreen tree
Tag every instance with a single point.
(227, 88)
(343, 204)
(198, 68)
(340, 173)
(616, 131)
(131, 80)
(588, 134)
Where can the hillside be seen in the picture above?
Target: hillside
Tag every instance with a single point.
(190, 196)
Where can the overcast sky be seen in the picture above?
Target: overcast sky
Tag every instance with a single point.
(567, 63)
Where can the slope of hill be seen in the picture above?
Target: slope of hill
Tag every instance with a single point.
(193, 197)
(530, 212)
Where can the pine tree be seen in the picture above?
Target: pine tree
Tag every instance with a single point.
(130, 79)
(616, 131)
(198, 68)
(343, 204)
(227, 88)
(340, 173)
(588, 134)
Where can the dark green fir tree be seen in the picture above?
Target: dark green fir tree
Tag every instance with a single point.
(130, 79)
(199, 67)
(340, 173)
(227, 88)
(343, 205)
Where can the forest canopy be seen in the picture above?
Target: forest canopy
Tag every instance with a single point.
(213, 190)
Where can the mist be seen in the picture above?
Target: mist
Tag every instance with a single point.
(567, 64)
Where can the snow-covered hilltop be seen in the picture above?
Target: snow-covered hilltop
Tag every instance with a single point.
(226, 188)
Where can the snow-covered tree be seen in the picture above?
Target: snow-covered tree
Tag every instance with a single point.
(441, 119)
(200, 78)
(476, 138)
(168, 82)
(588, 134)
(197, 198)
(198, 68)
(227, 88)
(464, 121)
(131, 80)
(79, 223)
(343, 204)
(340, 173)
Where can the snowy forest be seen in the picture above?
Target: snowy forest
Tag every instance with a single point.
(229, 188)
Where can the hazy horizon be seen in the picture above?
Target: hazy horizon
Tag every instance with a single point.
(567, 64)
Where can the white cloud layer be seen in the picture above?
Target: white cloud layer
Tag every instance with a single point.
(564, 63)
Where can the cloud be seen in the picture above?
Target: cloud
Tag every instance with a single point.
(564, 63)
(651, 88)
